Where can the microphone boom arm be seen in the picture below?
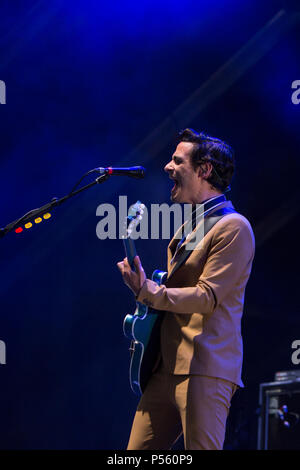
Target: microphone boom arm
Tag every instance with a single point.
(31, 215)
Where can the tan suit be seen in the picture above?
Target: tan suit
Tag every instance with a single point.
(203, 299)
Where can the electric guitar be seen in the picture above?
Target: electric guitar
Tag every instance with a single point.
(143, 326)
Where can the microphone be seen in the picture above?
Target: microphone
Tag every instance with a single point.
(133, 171)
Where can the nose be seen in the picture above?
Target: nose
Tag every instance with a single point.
(168, 167)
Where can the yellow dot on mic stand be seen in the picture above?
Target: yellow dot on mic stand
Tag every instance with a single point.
(29, 225)
(38, 220)
(47, 215)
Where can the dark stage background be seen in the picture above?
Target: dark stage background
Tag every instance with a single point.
(93, 84)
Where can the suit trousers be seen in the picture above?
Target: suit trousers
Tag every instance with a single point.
(196, 405)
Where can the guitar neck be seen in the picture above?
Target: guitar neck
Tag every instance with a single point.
(130, 250)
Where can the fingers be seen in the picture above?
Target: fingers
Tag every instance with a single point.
(134, 280)
(124, 266)
(121, 266)
(137, 263)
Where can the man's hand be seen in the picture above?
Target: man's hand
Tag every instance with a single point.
(134, 280)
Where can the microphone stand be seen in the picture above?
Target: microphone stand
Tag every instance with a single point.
(29, 216)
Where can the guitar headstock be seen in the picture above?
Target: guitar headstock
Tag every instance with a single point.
(135, 215)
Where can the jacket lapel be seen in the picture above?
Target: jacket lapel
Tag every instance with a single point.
(183, 253)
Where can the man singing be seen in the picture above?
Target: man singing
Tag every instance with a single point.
(202, 306)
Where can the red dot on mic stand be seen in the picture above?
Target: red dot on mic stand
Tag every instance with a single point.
(110, 171)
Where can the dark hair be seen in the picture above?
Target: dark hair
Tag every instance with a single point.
(216, 151)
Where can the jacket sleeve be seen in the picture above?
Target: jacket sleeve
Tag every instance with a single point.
(229, 260)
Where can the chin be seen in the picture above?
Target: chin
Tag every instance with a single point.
(178, 197)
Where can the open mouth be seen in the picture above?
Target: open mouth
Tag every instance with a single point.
(176, 184)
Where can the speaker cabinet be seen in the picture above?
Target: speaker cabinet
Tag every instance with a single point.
(279, 417)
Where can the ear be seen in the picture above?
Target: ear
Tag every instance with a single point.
(205, 170)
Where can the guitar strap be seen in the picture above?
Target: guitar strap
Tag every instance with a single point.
(210, 221)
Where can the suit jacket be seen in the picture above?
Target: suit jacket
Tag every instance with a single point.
(203, 301)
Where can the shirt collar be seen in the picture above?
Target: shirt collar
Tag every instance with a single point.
(208, 203)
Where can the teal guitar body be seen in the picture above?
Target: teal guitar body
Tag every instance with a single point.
(143, 328)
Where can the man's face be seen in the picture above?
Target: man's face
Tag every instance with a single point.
(187, 181)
